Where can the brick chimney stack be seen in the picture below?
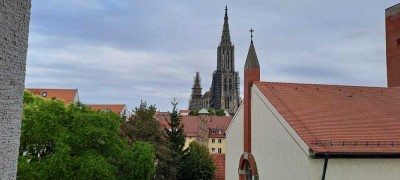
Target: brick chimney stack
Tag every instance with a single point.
(393, 45)
(251, 74)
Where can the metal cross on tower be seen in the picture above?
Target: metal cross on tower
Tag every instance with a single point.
(251, 34)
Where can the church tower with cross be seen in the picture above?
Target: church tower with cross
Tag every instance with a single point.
(224, 92)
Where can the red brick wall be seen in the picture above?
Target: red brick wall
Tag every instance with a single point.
(250, 75)
(393, 45)
(219, 160)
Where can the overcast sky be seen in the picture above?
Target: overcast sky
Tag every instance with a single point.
(124, 51)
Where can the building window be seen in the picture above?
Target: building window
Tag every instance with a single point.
(219, 141)
(213, 150)
(247, 171)
(213, 140)
(219, 131)
(219, 150)
(44, 94)
(213, 131)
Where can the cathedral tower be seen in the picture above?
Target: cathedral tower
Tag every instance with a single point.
(195, 99)
(225, 82)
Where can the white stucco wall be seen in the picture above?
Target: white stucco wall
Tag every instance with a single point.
(363, 169)
(14, 26)
(278, 154)
(234, 145)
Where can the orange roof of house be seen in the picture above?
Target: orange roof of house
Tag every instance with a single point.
(339, 119)
(191, 125)
(219, 161)
(184, 111)
(162, 115)
(219, 123)
(66, 95)
(117, 108)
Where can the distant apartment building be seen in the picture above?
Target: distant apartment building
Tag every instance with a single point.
(209, 131)
(215, 127)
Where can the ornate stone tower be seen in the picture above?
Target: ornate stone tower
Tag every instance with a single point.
(195, 99)
(225, 83)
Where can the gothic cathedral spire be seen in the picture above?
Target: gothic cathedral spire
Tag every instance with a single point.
(226, 37)
(225, 83)
(224, 92)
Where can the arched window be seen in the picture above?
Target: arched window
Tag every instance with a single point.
(247, 171)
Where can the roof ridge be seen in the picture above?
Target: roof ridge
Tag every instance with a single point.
(336, 85)
(54, 88)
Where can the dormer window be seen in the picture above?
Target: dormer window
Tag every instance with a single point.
(44, 94)
(219, 131)
(213, 131)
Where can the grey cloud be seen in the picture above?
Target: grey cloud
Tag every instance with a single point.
(126, 51)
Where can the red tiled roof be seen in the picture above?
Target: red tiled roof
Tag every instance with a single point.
(184, 111)
(219, 161)
(219, 123)
(117, 108)
(162, 115)
(191, 125)
(339, 119)
(66, 95)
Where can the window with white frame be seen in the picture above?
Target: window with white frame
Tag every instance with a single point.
(219, 141)
(219, 150)
(213, 150)
(213, 140)
(220, 131)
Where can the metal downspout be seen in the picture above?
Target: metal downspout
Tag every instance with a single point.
(325, 166)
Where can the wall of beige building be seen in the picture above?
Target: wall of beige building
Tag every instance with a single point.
(216, 146)
(234, 145)
(188, 141)
(281, 154)
(14, 27)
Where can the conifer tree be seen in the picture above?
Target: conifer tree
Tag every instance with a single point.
(175, 131)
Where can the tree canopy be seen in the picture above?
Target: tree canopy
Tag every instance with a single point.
(197, 163)
(73, 142)
(211, 112)
(143, 126)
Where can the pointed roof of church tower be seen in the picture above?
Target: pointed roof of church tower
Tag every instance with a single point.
(226, 37)
(252, 60)
(196, 84)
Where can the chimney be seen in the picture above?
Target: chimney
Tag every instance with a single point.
(393, 45)
(251, 74)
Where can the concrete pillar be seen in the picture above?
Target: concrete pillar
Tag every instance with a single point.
(14, 27)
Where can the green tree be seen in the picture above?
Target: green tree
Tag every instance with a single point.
(175, 131)
(211, 112)
(142, 126)
(194, 113)
(141, 152)
(197, 164)
(220, 112)
(74, 142)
